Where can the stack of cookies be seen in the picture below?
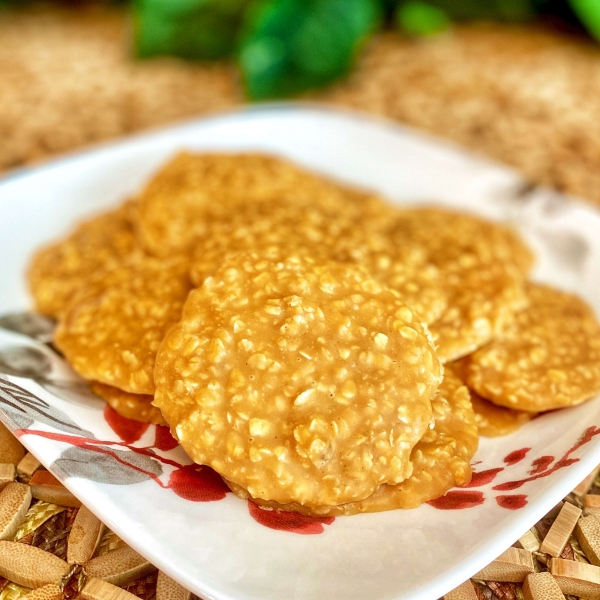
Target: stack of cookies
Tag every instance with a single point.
(323, 351)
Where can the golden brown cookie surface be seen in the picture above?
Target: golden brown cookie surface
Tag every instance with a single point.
(112, 337)
(441, 459)
(496, 421)
(137, 407)
(547, 358)
(178, 204)
(300, 381)
(457, 240)
(492, 420)
(481, 301)
(482, 266)
(343, 239)
(60, 271)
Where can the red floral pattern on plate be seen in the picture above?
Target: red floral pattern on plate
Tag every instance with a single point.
(129, 431)
(198, 484)
(512, 501)
(516, 456)
(542, 466)
(288, 521)
(163, 439)
(458, 499)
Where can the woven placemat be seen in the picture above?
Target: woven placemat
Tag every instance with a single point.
(527, 96)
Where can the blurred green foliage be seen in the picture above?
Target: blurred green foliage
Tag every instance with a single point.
(189, 28)
(284, 47)
(421, 19)
(289, 46)
(503, 10)
(589, 13)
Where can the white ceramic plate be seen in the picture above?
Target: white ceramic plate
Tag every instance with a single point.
(180, 517)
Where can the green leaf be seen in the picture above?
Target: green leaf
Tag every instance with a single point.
(290, 46)
(421, 19)
(589, 13)
(206, 29)
(504, 10)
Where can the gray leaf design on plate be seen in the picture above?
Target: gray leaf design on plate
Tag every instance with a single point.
(33, 325)
(25, 408)
(31, 363)
(18, 419)
(118, 467)
(25, 361)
